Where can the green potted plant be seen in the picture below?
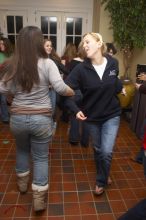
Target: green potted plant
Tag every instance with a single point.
(128, 22)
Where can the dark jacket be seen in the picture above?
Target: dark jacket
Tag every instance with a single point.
(142, 88)
(61, 67)
(100, 101)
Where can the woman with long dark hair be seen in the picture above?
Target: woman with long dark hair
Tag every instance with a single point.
(27, 75)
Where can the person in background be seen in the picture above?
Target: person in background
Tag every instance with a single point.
(55, 57)
(111, 50)
(6, 51)
(141, 156)
(78, 131)
(28, 79)
(63, 71)
(69, 53)
(97, 79)
(137, 212)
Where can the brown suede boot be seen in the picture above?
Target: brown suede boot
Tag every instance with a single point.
(39, 197)
(22, 181)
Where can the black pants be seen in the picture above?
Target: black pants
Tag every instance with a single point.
(138, 212)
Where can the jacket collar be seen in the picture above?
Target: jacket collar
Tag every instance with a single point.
(87, 62)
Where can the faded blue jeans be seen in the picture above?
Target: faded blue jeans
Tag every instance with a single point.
(32, 134)
(103, 135)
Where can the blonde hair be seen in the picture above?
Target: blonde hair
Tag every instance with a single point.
(97, 37)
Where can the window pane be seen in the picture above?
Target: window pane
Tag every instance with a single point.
(10, 24)
(53, 25)
(44, 24)
(46, 36)
(12, 39)
(78, 26)
(69, 40)
(77, 41)
(54, 41)
(69, 26)
(19, 23)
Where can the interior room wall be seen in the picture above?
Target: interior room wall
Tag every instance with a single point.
(139, 57)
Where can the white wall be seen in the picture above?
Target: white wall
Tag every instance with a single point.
(31, 6)
(104, 26)
(107, 35)
(138, 58)
(52, 3)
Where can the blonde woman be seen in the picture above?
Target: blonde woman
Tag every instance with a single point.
(97, 79)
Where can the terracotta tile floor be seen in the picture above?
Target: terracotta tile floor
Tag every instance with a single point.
(72, 178)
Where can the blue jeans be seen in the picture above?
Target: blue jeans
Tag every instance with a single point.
(103, 136)
(78, 131)
(139, 156)
(32, 134)
(4, 108)
(144, 163)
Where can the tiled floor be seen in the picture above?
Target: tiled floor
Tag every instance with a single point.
(72, 178)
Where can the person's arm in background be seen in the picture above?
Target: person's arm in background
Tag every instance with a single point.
(62, 69)
(56, 80)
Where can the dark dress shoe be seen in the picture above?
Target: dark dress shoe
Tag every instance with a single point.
(140, 161)
(83, 144)
(74, 142)
(5, 122)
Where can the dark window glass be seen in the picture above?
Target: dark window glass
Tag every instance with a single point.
(77, 41)
(44, 24)
(46, 36)
(12, 39)
(19, 23)
(10, 24)
(69, 40)
(54, 41)
(69, 26)
(53, 25)
(78, 26)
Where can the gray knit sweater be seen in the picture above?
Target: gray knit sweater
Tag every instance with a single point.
(38, 99)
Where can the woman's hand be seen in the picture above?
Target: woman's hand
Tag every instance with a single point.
(80, 116)
(142, 76)
(123, 92)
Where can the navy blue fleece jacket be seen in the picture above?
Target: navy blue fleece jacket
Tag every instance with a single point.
(100, 101)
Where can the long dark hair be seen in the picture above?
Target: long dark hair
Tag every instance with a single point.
(22, 67)
(8, 46)
(53, 55)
